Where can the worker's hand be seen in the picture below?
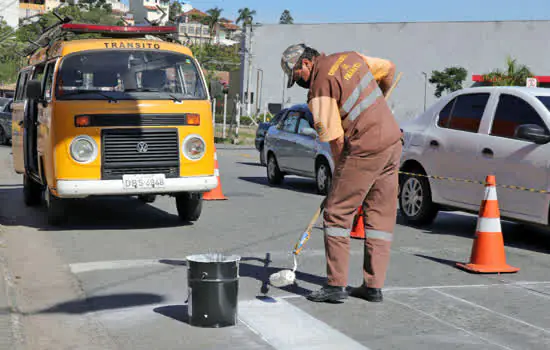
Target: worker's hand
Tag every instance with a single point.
(337, 147)
(386, 82)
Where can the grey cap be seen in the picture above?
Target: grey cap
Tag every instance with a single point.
(290, 58)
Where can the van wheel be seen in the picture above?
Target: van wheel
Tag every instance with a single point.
(415, 201)
(189, 206)
(274, 174)
(32, 192)
(323, 177)
(56, 208)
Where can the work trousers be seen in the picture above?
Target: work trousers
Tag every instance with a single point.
(370, 180)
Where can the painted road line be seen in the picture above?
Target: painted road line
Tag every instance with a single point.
(492, 311)
(446, 323)
(114, 265)
(284, 326)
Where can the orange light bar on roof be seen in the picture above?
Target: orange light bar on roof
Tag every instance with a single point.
(193, 119)
(97, 28)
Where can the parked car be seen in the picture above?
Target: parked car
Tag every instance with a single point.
(472, 133)
(5, 120)
(292, 147)
(261, 131)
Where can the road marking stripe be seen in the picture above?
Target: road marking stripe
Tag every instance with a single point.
(285, 326)
(492, 311)
(446, 323)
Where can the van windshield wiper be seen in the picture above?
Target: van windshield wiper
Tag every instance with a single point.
(154, 90)
(110, 98)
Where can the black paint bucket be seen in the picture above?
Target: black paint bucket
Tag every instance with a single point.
(213, 286)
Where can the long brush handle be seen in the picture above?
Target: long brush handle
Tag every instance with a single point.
(307, 233)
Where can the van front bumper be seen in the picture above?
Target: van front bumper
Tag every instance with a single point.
(85, 188)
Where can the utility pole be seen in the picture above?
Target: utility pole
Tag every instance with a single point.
(249, 52)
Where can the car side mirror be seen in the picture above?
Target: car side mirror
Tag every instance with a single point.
(34, 89)
(309, 132)
(532, 132)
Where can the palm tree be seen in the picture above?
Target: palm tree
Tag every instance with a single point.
(213, 20)
(246, 16)
(515, 74)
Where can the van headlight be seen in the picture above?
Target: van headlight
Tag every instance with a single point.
(193, 147)
(83, 149)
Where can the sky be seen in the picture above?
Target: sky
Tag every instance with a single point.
(354, 11)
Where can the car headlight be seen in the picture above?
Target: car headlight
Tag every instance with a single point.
(83, 149)
(193, 147)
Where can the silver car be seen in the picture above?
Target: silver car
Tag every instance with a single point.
(292, 147)
(5, 120)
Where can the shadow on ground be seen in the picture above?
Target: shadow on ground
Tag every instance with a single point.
(516, 235)
(100, 213)
(291, 183)
(106, 302)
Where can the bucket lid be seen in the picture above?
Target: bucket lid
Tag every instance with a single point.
(213, 258)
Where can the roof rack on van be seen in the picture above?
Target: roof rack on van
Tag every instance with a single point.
(119, 31)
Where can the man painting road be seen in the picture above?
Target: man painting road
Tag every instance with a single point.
(346, 98)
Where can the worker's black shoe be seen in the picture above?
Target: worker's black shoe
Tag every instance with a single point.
(328, 294)
(369, 294)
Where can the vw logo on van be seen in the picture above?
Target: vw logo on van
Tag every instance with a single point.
(142, 147)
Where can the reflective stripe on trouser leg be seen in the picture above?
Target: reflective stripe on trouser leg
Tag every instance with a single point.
(337, 255)
(380, 211)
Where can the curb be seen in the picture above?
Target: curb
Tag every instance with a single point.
(234, 147)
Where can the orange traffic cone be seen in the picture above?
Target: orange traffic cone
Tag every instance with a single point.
(358, 230)
(216, 193)
(488, 254)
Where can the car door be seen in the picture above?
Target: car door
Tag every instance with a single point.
(286, 139)
(19, 108)
(516, 161)
(303, 155)
(451, 149)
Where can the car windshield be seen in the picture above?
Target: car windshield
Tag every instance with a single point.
(545, 101)
(129, 74)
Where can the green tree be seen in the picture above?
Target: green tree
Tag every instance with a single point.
(514, 75)
(246, 16)
(286, 18)
(175, 11)
(10, 61)
(450, 79)
(212, 20)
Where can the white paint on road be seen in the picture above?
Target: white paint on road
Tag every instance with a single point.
(492, 311)
(408, 306)
(113, 265)
(285, 326)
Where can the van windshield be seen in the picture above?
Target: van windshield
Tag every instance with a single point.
(129, 75)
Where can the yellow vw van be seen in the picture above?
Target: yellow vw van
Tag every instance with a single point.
(127, 114)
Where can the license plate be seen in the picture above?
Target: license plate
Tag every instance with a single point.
(132, 182)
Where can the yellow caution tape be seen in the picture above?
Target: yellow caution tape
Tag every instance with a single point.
(521, 188)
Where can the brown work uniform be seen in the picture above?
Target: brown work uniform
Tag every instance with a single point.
(345, 99)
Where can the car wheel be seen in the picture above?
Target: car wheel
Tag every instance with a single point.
(323, 177)
(262, 156)
(415, 201)
(32, 192)
(274, 174)
(56, 208)
(3, 137)
(189, 206)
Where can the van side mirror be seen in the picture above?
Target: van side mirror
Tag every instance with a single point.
(309, 132)
(34, 89)
(532, 132)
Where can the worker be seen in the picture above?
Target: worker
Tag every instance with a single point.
(346, 97)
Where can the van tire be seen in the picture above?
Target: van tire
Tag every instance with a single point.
(55, 207)
(189, 206)
(32, 192)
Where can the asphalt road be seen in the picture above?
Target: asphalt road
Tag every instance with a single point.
(115, 277)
